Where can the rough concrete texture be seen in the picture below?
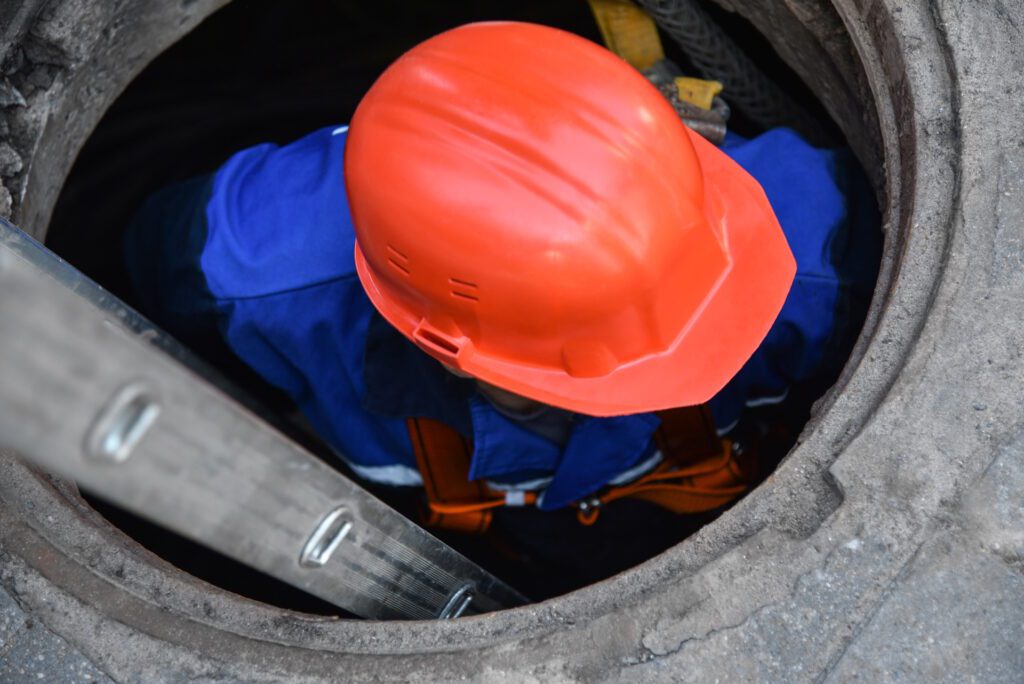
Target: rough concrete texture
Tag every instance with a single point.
(31, 653)
(12, 619)
(888, 546)
(46, 47)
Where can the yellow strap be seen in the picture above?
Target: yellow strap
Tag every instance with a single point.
(697, 91)
(628, 31)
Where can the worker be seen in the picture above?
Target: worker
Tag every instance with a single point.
(517, 239)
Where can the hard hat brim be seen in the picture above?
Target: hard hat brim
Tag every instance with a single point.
(732, 323)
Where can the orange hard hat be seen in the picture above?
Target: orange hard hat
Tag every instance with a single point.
(531, 211)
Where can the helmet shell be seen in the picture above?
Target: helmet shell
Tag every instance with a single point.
(530, 210)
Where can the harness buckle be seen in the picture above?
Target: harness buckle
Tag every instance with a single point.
(587, 510)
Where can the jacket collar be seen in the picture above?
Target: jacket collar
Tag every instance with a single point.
(401, 381)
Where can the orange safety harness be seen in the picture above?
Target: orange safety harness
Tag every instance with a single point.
(699, 472)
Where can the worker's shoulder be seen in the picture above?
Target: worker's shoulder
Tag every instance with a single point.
(812, 191)
(780, 156)
(278, 218)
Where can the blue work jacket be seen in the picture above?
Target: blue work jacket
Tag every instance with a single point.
(263, 250)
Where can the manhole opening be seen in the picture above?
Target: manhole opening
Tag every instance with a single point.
(264, 71)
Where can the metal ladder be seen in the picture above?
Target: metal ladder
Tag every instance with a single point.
(93, 392)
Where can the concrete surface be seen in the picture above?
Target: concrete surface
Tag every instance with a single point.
(888, 546)
(29, 652)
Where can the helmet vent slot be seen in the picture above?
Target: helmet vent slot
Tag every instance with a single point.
(399, 266)
(397, 259)
(464, 289)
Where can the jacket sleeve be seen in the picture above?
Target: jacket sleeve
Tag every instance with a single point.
(826, 210)
(162, 249)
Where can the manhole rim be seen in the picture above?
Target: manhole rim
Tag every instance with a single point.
(133, 570)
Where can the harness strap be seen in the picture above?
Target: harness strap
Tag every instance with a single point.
(629, 32)
(443, 457)
(703, 486)
(699, 472)
(688, 434)
(697, 91)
